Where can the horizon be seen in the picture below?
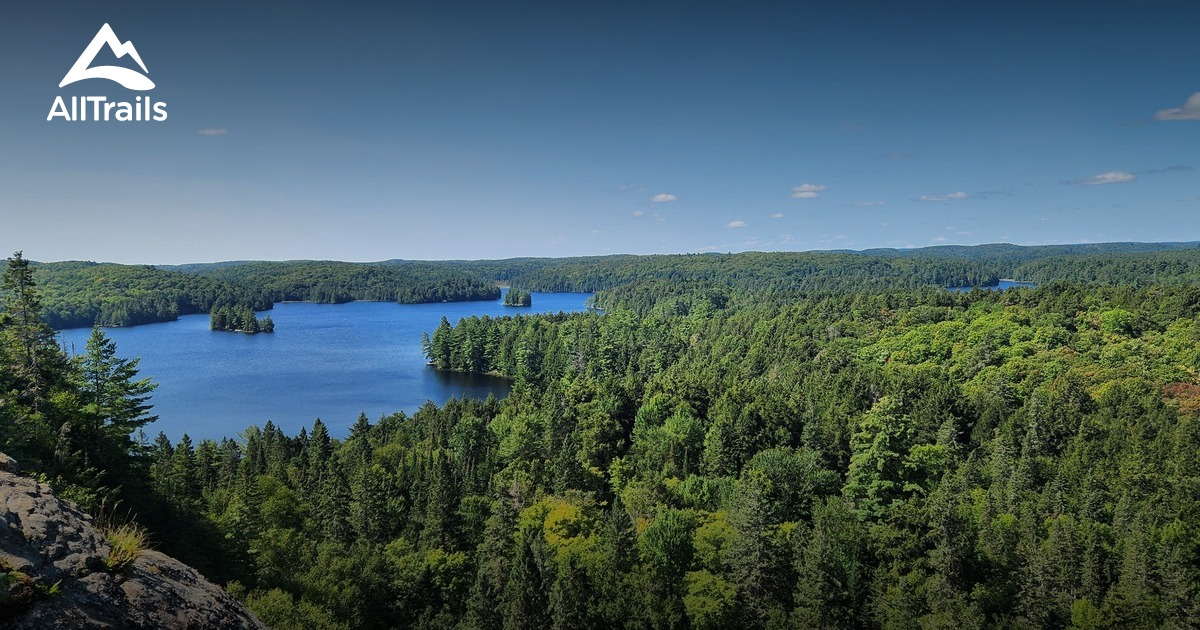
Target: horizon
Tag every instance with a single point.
(866, 251)
(485, 132)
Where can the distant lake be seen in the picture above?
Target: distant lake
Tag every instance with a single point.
(1002, 285)
(330, 361)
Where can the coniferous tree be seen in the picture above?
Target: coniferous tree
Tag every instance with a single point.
(116, 405)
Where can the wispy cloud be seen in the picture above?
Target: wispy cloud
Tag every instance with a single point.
(897, 155)
(940, 239)
(807, 191)
(1111, 177)
(947, 197)
(867, 204)
(638, 213)
(777, 215)
(213, 132)
(1177, 168)
(1189, 111)
(663, 198)
(737, 224)
(631, 187)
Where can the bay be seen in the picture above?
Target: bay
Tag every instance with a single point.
(1000, 286)
(327, 361)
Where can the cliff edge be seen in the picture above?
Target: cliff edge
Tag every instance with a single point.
(55, 572)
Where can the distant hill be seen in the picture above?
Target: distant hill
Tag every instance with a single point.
(83, 293)
(77, 294)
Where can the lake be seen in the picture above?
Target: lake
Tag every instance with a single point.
(327, 361)
(1002, 285)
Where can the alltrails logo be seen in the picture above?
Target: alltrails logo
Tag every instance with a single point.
(99, 108)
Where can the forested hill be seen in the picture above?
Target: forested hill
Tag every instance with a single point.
(336, 282)
(1010, 253)
(78, 294)
(841, 271)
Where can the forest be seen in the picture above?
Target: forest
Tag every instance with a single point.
(239, 319)
(80, 294)
(337, 282)
(85, 294)
(726, 445)
(517, 297)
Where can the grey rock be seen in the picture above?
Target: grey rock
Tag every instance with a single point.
(52, 541)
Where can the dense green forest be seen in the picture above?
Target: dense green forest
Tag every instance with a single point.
(85, 294)
(239, 319)
(517, 297)
(723, 447)
(336, 282)
(79, 294)
(869, 270)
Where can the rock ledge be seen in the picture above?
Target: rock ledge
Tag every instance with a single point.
(46, 541)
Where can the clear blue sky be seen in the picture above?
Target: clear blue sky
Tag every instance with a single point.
(494, 129)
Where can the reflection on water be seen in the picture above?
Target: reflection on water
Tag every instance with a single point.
(472, 385)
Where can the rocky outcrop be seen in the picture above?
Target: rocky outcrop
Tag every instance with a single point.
(54, 572)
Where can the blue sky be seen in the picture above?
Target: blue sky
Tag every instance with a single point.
(433, 130)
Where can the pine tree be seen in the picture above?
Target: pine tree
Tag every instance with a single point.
(28, 342)
(115, 405)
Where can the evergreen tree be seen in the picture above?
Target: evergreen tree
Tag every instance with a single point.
(116, 404)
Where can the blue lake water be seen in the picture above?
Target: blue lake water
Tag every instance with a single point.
(1002, 285)
(327, 361)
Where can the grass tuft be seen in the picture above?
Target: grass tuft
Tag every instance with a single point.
(127, 538)
(127, 542)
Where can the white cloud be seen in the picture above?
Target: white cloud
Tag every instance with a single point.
(1111, 177)
(663, 198)
(947, 197)
(867, 204)
(593, 231)
(1189, 111)
(777, 215)
(638, 213)
(940, 239)
(737, 224)
(807, 191)
(213, 132)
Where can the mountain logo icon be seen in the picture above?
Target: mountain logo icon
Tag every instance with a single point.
(130, 79)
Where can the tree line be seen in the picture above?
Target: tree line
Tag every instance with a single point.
(85, 294)
(337, 282)
(518, 297)
(240, 319)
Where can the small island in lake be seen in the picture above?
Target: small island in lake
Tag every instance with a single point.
(239, 319)
(517, 297)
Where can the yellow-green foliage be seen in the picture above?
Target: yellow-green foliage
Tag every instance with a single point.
(127, 543)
